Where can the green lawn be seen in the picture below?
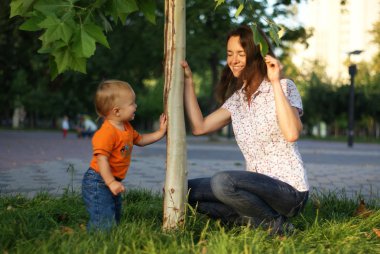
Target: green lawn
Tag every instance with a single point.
(46, 224)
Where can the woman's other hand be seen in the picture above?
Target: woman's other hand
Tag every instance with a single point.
(274, 68)
(187, 71)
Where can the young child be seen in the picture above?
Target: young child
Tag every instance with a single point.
(112, 148)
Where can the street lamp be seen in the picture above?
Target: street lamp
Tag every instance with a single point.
(352, 70)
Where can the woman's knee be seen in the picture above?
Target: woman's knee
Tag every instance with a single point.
(199, 188)
(222, 184)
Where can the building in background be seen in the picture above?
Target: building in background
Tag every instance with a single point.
(337, 30)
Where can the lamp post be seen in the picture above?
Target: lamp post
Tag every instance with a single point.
(352, 70)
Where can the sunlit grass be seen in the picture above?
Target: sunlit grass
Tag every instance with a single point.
(47, 224)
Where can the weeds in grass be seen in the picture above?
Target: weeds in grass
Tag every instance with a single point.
(71, 170)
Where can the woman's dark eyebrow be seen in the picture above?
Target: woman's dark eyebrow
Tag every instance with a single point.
(240, 51)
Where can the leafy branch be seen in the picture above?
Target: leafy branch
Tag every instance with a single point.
(276, 32)
(71, 29)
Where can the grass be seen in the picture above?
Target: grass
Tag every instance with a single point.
(47, 224)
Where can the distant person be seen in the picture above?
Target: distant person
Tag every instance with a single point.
(265, 112)
(80, 126)
(89, 127)
(65, 126)
(86, 127)
(112, 148)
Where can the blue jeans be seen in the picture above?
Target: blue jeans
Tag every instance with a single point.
(238, 196)
(104, 208)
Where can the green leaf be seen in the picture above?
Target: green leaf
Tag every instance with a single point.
(99, 3)
(127, 6)
(259, 40)
(238, 11)
(109, 10)
(84, 44)
(47, 49)
(270, 21)
(219, 2)
(56, 29)
(273, 33)
(106, 24)
(16, 8)
(256, 34)
(123, 17)
(281, 32)
(263, 47)
(120, 9)
(66, 29)
(96, 32)
(148, 7)
(62, 59)
(51, 33)
(78, 64)
(31, 24)
(20, 7)
(53, 68)
(48, 7)
(65, 59)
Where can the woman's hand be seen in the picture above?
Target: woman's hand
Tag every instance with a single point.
(274, 68)
(287, 116)
(187, 71)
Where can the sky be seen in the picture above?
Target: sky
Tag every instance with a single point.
(302, 15)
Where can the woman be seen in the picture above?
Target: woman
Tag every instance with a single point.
(265, 113)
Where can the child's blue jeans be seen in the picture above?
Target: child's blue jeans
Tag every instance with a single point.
(104, 207)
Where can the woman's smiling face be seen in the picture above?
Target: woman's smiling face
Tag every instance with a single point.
(236, 57)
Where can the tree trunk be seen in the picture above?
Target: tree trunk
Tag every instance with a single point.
(176, 169)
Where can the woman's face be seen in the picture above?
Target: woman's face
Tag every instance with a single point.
(236, 57)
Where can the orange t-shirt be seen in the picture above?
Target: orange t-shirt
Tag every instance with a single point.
(116, 145)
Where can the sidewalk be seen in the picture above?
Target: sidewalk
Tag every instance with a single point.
(31, 162)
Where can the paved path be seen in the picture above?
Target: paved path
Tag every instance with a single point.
(31, 161)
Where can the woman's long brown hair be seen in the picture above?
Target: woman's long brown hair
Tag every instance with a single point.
(253, 73)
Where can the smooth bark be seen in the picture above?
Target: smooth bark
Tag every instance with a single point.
(176, 170)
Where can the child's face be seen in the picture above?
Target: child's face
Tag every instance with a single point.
(127, 105)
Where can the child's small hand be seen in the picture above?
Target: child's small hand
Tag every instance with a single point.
(116, 187)
(163, 123)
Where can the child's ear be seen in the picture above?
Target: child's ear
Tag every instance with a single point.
(116, 111)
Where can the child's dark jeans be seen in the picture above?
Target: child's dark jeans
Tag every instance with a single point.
(104, 208)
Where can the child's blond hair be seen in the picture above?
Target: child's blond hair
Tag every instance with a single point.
(107, 94)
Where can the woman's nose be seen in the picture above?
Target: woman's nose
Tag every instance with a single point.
(235, 59)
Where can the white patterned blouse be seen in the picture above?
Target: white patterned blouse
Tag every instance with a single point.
(259, 136)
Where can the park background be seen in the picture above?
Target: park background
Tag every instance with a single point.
(41, 210)
(30, 99)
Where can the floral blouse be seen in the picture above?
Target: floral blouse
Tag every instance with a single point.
(259, 136)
